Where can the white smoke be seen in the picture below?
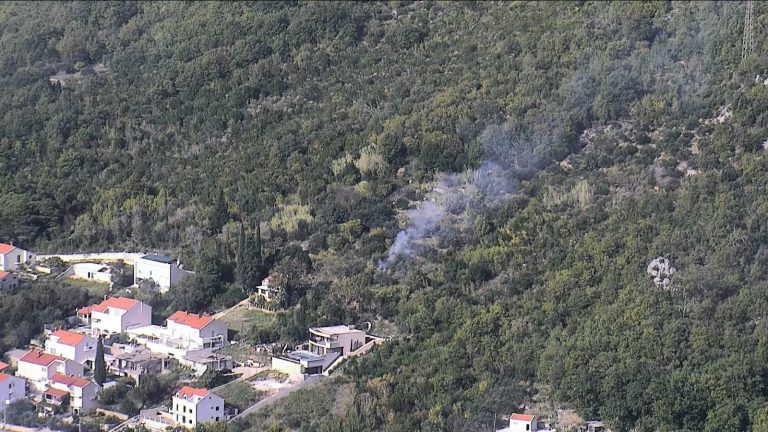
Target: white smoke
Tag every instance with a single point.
(459, 197)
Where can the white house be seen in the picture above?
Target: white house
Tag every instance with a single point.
(339, 338)
(71, 345)
(11, 388)
(8, 281)
(522, 423)
(192, 406)
(266, 290)
(116, 315)
(82, 392)
(165, 271)
(198, 331)
(38, 368)
(89, 271)
(11, 257)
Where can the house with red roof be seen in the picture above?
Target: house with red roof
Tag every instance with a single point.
(8, 281)
(199, 331)
(82, 392)
(116, 315)
(192, 406)
(523, 423)
(11, 257)
(74, 346)
(12, 388)
(38, 367)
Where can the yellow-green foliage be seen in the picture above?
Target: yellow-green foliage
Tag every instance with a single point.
(370, 161)
(289, 216)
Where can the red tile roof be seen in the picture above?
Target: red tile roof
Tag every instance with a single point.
(5, 248)
(192, 320)
(522, 417)
(187, 391)
(56, 392)
(70, 381)
(3, 274)
(68, 337)
(121, 303)
(4, 377)
(3, 366)
(85, 310)
(40, 358)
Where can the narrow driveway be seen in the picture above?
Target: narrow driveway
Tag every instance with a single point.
(277, 396)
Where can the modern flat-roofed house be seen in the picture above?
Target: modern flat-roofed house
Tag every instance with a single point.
(8, 281)
(116, 315)
(137, 361)
(339, 338)
(192, 406)
(11, 388)
(165, 271)
(38, 368)
(74, 346)
(11, 257)
(198, 331)
(522, 423)
(89, 271)
(82, 392)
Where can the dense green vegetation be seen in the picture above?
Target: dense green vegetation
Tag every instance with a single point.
(258, 138)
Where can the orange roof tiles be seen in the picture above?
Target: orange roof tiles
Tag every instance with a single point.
(522, 417)
(187, 391)
(121, 303)
(192, 320)
(70, 381)
(56, 392)
(40, 358)
(85, 310)
(5, 248)
(3, 274)
(3, 366)
(68, 337)
(4, 377)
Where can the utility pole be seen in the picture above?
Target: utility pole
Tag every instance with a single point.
(748, 44)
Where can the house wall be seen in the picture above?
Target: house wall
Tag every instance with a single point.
(36, 375)
(350, 341)
(178, 275)
(11, 260)
(87, 271)
(12, 388)
(84, 351)
(9, 282)
(117, 321)
(187, 413)
(521, 426)
(81, 398)
(196, 337)
(286, 366)
(158, 272)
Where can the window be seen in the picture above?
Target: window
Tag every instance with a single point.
(190, 421)
(18, 259)
(527, 427)
(217, 408)
(217, 419)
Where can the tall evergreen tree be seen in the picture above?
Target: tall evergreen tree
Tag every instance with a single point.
(251, 264)
(220, 213)
(99, 365)
(240, 251)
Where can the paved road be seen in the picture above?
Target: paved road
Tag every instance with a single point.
(277, 396)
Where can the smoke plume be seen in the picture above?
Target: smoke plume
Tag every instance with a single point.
(458, 198)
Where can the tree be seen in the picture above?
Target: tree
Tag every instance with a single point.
(220, 213)
(252, 264)
(99, 365)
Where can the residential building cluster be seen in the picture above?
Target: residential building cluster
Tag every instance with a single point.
(58, 375)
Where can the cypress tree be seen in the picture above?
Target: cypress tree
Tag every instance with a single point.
(99, 365)
(240, 252)
(220, 213)
(251, 264)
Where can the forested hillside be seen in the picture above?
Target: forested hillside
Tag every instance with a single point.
(486, 182)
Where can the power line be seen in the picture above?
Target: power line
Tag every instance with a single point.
(748, 45)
